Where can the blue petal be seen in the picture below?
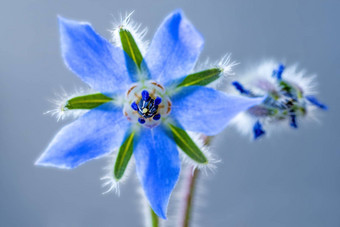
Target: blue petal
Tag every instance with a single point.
(94, 134)
(240, 88)
(293, 119)
(174, 49)
(278, 73)
(158, 167)
(92, 58)
(258, 130)
(206, 110)
(313, 100)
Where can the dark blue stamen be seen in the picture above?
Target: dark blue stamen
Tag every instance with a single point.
(258, 131)
(153, 109)
(157, 117)
(293, 122)
(240, 88)
(147, 106)
(313, 100)
(278, 73)
(134, 106)
(145, 95)
(141, 120)
(158, 101)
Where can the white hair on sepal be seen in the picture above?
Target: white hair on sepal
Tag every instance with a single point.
(264, 71)
(224, 64)
(199, 140)
(136, 30)
(307, 84)
(244, 123)
(227, 65)
(109, 181)
(60, 100)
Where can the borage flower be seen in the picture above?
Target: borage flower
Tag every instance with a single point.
(289, 98)
(143, 105)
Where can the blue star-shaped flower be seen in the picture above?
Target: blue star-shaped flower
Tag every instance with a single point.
(151, 101)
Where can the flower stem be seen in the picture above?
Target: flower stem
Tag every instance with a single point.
(154, 218)
(192, 180)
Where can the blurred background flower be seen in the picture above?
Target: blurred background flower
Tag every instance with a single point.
(290, 98)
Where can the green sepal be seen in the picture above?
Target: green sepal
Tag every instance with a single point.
(130, 47)
(87, 101)
(286, 86)
(201, 78)
(124, 156)
(188, 146)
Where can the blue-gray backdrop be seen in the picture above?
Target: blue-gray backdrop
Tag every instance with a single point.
(290, 179)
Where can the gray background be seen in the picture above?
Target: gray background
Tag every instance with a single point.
(290, 179)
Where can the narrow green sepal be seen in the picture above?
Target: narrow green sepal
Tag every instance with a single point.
(130, 47)
(124, 156)
(286, 87)
(188, 146)
(201, 78)
(87, 101)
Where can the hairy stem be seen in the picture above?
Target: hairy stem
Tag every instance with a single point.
(192, 178)
(190, 193)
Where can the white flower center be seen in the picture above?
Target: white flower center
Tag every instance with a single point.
(147, 104)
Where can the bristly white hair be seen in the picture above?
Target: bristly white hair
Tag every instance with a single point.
(60, 100)
(212, 160)
(225, 64)
(109, 181)
(264, 71)
(136, 30)
(262, 74)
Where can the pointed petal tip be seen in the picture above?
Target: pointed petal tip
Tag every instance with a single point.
(63, 21)
(40, 161)
(44, 163)
(158, 167)
(60, 18)
(177, 58)
(161, 212)
(163, 217)
(178, 12)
